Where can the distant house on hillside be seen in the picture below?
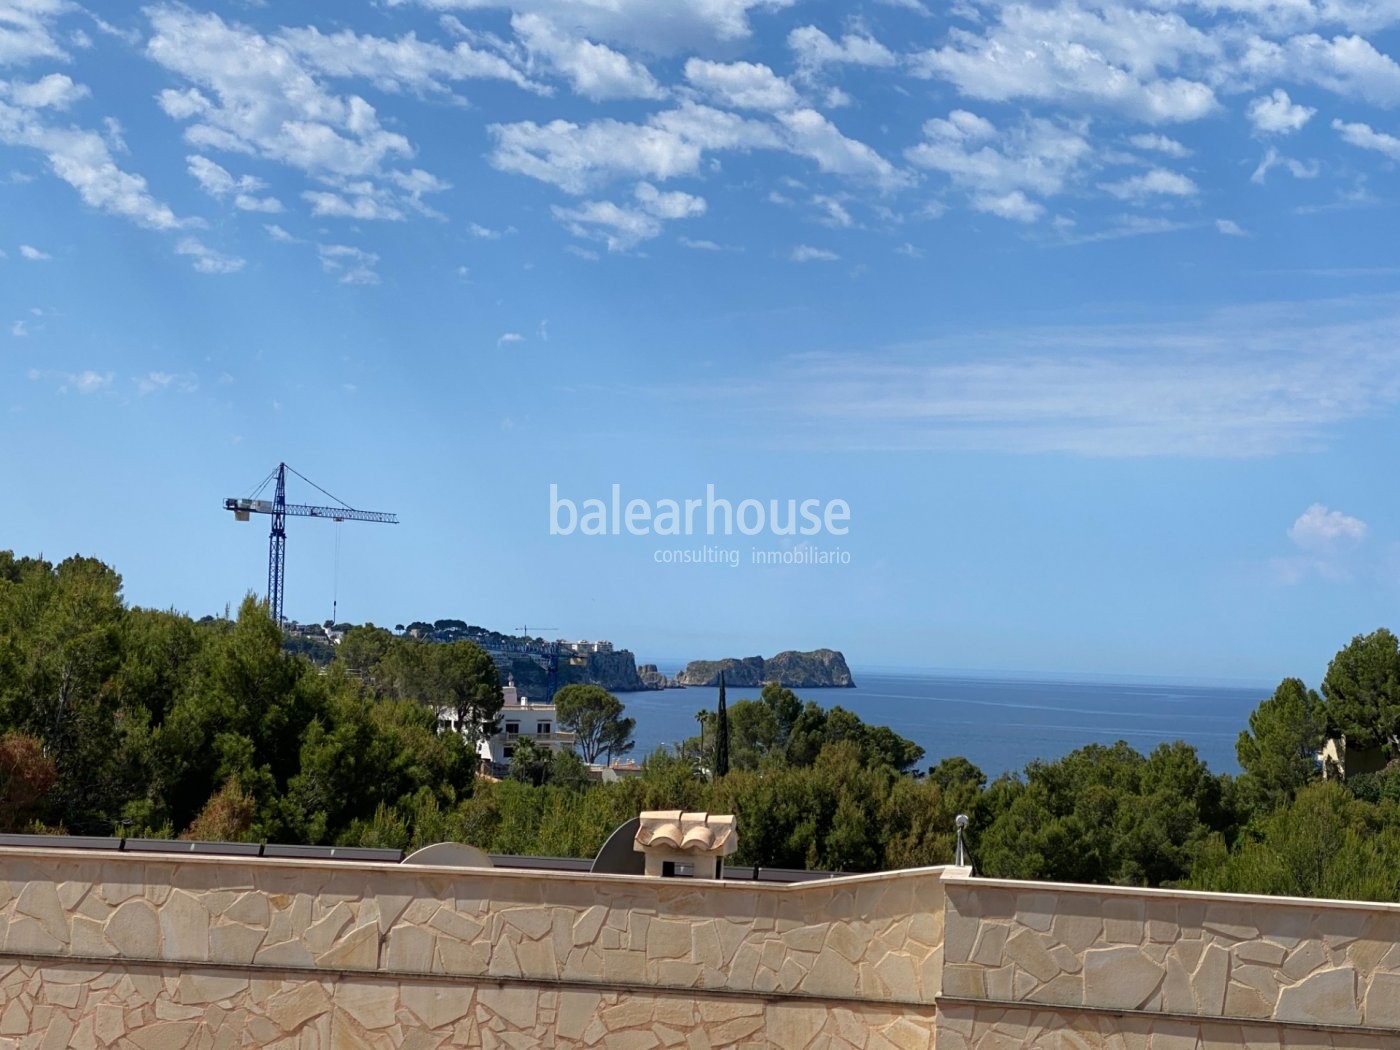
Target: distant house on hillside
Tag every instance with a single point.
(1340, 761)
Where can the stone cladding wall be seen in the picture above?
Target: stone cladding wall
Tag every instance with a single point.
(1090, 966)
(163, 952)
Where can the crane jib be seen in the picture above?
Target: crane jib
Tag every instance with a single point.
(244, 507)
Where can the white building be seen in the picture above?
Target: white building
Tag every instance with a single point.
(519, 718)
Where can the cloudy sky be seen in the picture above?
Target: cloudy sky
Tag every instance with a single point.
(1087, 309)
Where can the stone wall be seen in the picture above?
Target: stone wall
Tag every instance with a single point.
(1073, 966)
(195, 952)
(126, 949)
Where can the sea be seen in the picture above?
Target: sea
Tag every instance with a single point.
(998, 722)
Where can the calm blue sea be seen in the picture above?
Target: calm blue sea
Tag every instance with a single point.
(998, 723)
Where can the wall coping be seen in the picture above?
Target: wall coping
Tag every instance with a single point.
(962, 877)
(106, 857)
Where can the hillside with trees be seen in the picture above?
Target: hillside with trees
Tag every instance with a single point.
(117, 720)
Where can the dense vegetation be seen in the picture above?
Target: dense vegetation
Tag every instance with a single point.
(119, 720)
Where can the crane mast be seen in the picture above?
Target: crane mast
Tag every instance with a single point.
(279, 509)
(277, 547)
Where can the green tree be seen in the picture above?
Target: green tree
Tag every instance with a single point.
(1362, 691)
(363, 648)
(957, 772)
(1324, 843)
(785, 707)
(529, 762)
(753, 733)
(721, 733)
(1101, 814)
(1278, 752)
(596, 719)
(463, 680)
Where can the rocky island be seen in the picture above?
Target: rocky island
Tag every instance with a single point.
(818, 669)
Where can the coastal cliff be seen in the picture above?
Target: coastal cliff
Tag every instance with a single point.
(616, 672)
(818, 669)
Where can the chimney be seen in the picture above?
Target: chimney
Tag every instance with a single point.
(669, 837)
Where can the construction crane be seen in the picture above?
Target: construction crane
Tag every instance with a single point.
(280, 509)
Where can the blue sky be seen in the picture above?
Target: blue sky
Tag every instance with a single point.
(1087, 310)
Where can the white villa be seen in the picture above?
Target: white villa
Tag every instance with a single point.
(522, 718)
(519, 718)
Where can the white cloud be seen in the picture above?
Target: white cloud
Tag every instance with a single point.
(84, 160)
(594, 70)
(485, 233)
(806, 253)
(1364, 136)
(1255, 381)
(1277, 114)
(1230, 228)
(635, 23)
(351, 265)
(264, 101)
(1160, 144)
(263, 96)
(811, 135)
(998, 169)
(576, 157)
(206, 259)
(674, 142)
(19, 329)
(27, 30)
(814, 50)
(1015, 206)
(278, 234)
(1319, 527)
(834, 213)
(1159, 182)
(1116, 58)
(622, 228)
(1274, 159)
(157, 382)
(88, 381)
(218, 183)
(743, 85)
(674, 205)
(1118, 228)
(55, 91)
(700, 245)
(508, 338)
(369, 205)
(1327, 540)
(405, 63)
(1346, 65)
(33, 254)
